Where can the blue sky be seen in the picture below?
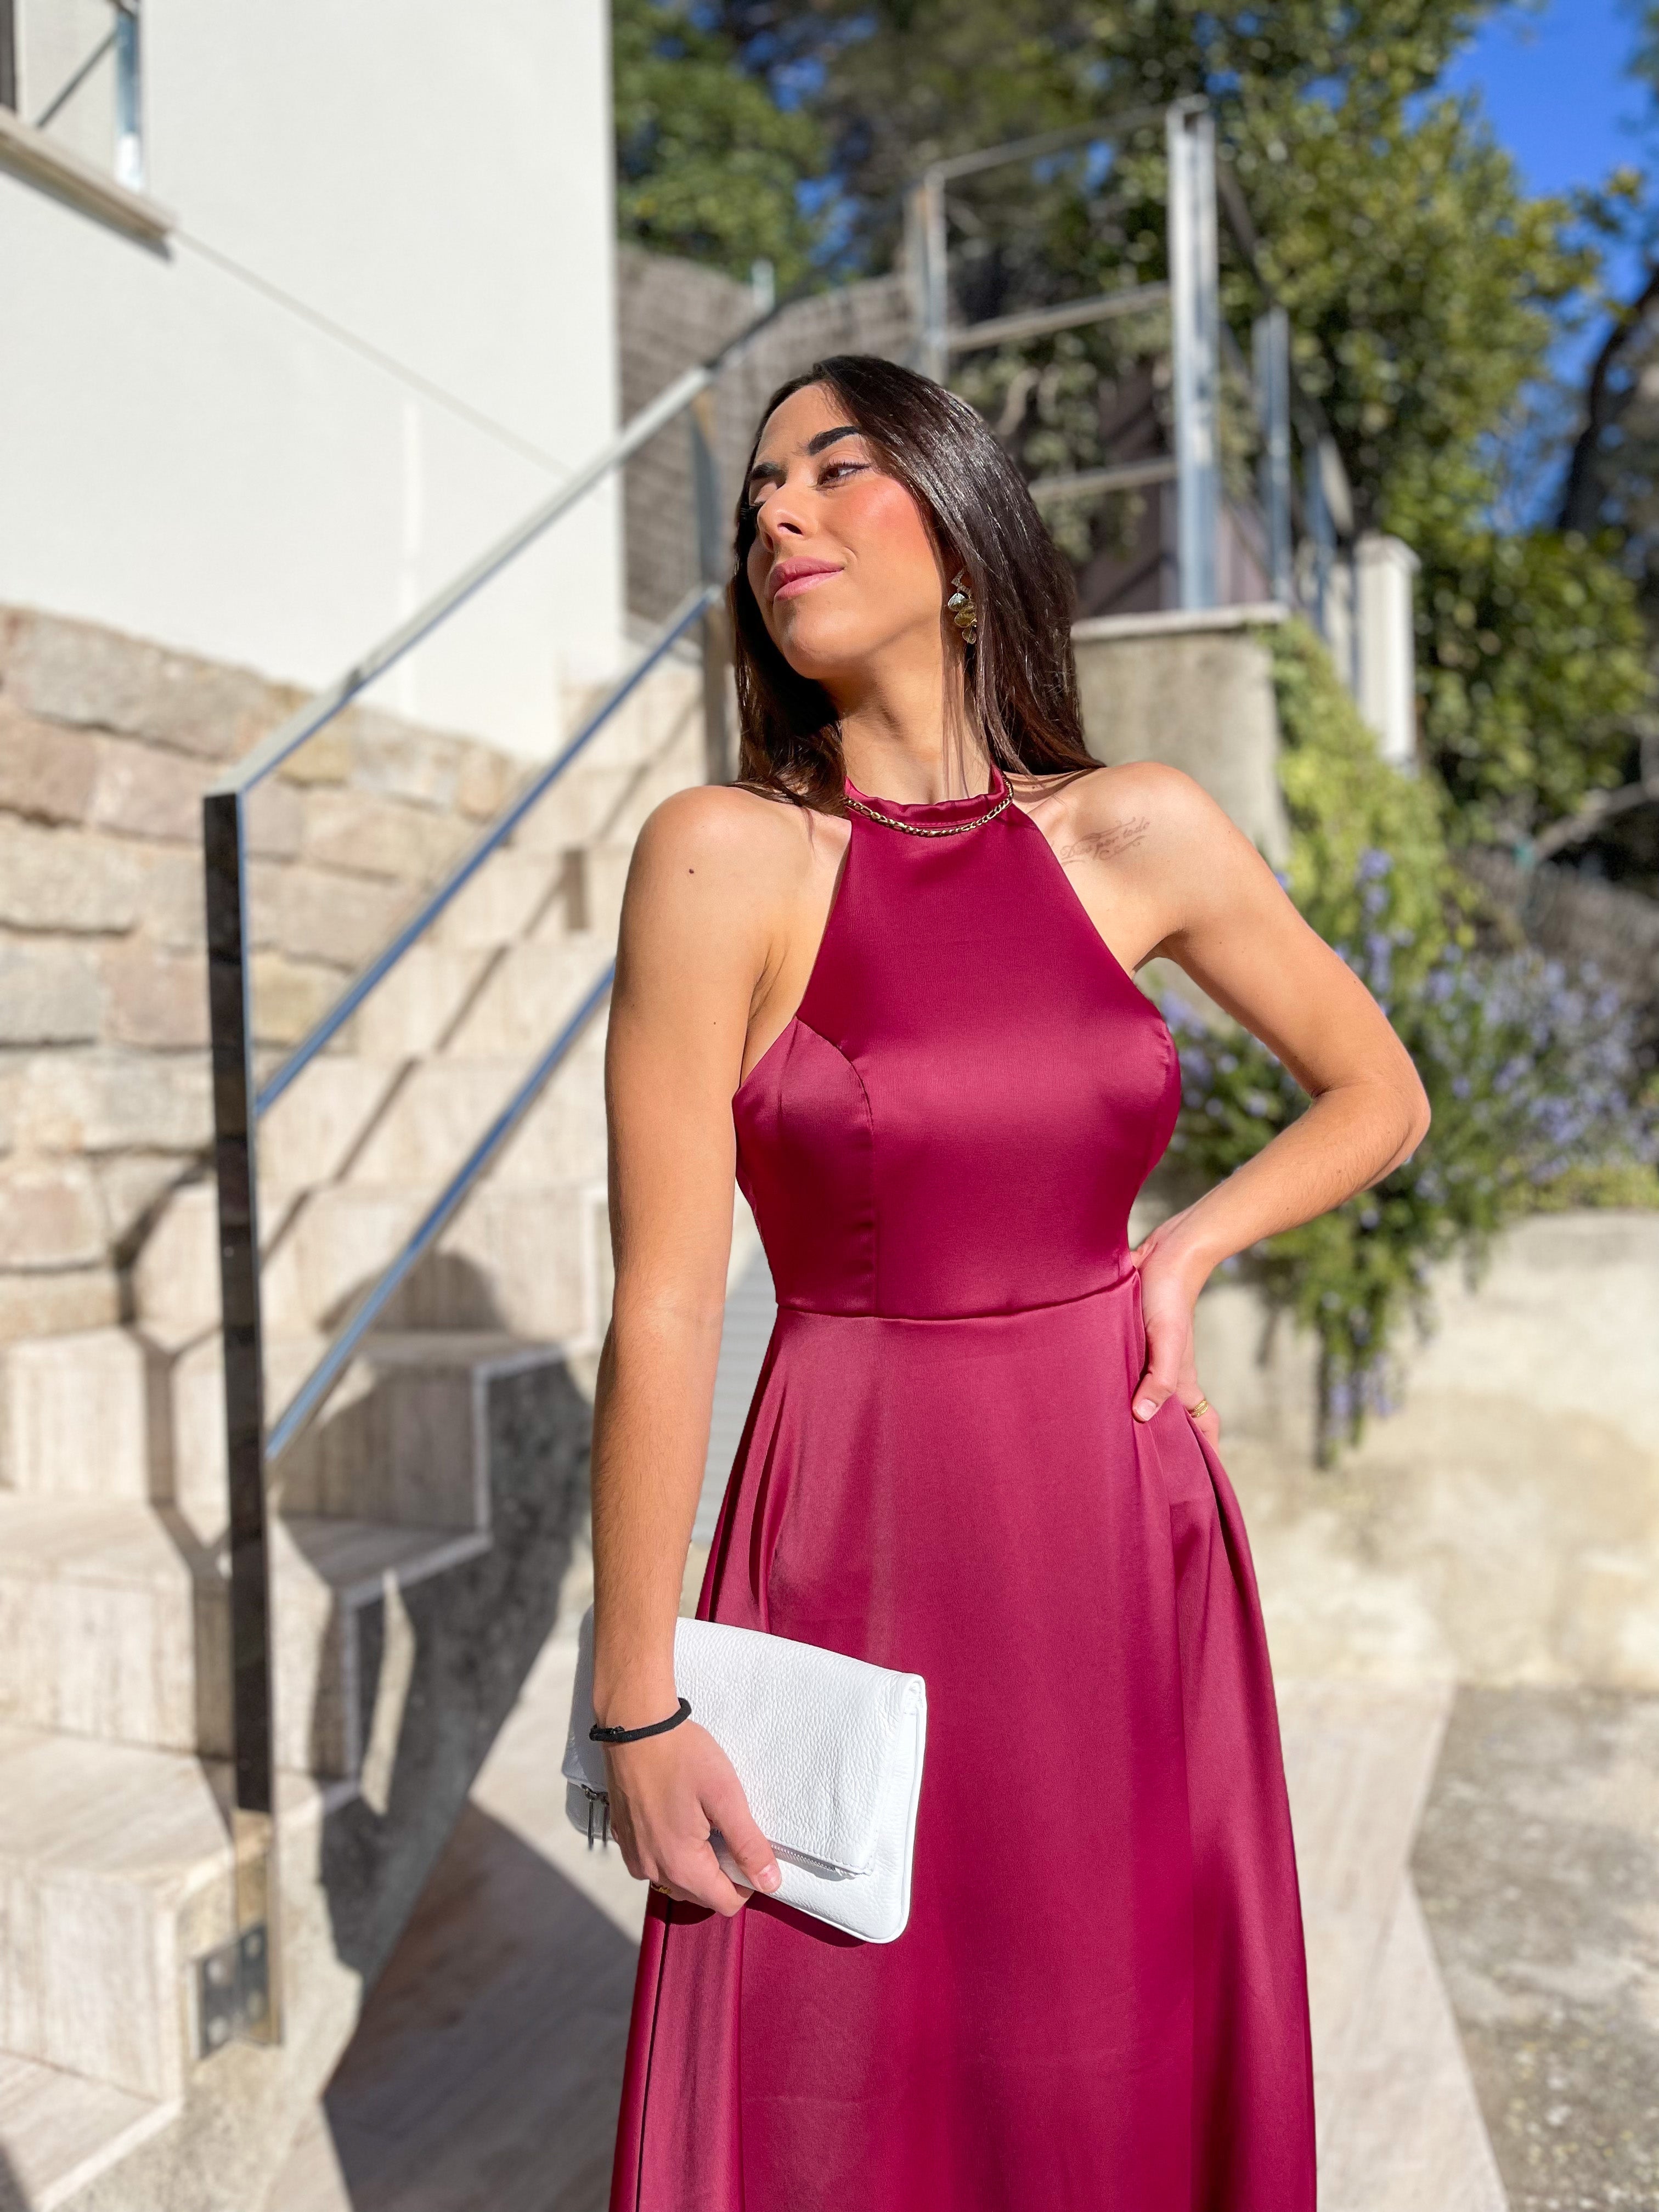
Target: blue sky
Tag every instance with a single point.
(1552, 79)
(1554, 82)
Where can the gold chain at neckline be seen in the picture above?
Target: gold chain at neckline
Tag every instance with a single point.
(934, 828)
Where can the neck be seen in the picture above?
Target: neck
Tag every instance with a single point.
(906, 730)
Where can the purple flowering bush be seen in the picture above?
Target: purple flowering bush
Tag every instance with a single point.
(1530, 1067)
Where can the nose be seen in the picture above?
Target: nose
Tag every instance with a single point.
(782, 517)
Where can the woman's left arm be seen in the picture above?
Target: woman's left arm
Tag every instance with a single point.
(1192, 888)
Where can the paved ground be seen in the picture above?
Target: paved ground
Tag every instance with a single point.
(1538, 1866)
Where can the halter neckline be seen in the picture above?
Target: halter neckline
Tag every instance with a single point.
(934, 811)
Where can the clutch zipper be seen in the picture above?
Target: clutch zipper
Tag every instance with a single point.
(598, 1805)
(596, 1798)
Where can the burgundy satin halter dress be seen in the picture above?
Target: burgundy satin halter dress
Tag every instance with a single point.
(1100, 2001)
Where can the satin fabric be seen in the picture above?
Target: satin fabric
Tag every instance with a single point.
(1100, 2000)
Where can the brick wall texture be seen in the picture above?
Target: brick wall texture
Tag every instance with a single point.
(673, 313)
(107, 744)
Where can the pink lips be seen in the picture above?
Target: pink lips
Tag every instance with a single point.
(791, 578)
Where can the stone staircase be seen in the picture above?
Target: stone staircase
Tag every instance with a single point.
(427, 1520)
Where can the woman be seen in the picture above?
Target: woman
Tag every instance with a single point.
(886, 978)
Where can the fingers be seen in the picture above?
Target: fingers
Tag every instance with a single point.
(1139, 1254)
(682, 1791)
(1158, 1382)
(728, 1809)
(1208, 1424)
(694, 1877)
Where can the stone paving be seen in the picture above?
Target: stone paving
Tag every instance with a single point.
(1538, 1865)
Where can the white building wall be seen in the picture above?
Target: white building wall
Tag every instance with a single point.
(382, 329)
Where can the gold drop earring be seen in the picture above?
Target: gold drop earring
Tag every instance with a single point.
(961, 608)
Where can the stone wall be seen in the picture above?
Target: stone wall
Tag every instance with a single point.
(1502, 1524)
(1196, 691)
(107, 744)
(673, 313)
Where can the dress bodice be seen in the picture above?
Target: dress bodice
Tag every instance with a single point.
(958, 1116)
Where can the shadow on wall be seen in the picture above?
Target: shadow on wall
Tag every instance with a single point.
(509, 1975)
(441, 1657)
(11, 2194)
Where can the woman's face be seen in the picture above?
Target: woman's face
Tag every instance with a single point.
(842, 565)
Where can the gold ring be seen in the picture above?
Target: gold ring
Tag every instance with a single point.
(1202, 1407)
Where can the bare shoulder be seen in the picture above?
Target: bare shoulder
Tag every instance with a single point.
(717, 866)
(1138, 811)
(730, 836)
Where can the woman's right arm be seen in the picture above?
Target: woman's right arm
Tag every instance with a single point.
(694, 947)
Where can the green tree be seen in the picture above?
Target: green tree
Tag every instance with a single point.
(709, 167)
(1426, 291)
(1532, 669)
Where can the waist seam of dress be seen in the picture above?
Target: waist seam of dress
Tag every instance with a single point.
(986, 1313)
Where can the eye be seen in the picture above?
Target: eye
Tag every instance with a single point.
(835, 472)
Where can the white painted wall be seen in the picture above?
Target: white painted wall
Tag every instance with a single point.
(383, 330)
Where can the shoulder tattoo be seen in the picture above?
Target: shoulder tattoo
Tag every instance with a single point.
(1106, 843)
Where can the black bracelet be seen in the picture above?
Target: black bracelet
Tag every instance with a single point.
(632, 1735)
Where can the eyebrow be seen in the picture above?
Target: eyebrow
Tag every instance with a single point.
(772, 471)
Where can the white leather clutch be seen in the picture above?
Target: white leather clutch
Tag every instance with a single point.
(829, 1750)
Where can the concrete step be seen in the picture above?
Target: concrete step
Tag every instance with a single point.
(114, 1625)
(659, 722)
(397, 1133)
(405, 1439)
(114, 1417)
(115, 1866)
(310, 1134)
(516, 1259)
(1358, 1759)
(401, 1439)
(59, 2131)
(528, 995)
(336, 1581)
(405, 1017)
(79, 1415)
(445, 1105)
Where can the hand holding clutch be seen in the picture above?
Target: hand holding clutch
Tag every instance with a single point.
(827, 1751)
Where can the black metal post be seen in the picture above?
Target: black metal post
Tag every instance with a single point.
(251, 1618)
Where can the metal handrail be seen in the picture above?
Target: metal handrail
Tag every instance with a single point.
(1202, 194)
(691, 608)
(271, 751)
(238, 1103)
(1039, 322)
(1012, 150)
(332, 1365)
(76, 78)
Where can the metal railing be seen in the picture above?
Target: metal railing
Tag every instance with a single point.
(1203, 199)
(122, 42)
(250, 1966)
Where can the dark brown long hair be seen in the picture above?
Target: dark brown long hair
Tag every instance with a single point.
(1021, 677)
